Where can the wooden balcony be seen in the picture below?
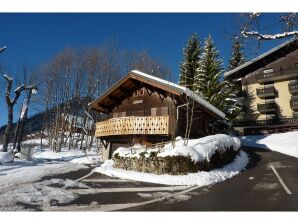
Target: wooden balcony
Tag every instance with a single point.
(294, 103)
(267, 107)
(277, 75)
(150, 125)
(266, 92)
(293, 87)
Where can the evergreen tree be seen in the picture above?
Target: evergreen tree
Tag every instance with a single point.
(191, 61)
(207, 76)
(238, 57)
(209, 84)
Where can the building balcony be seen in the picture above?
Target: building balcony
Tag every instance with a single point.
(293, 87)
(149, 125)
(294, 103)
(277, 75)
(268, 107)
(266, 92)
(268, 122)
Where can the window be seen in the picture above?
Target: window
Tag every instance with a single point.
(159, 111)
(164, 111)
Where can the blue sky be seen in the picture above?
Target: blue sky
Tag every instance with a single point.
(32, 39)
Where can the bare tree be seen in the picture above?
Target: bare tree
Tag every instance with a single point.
(10, 105)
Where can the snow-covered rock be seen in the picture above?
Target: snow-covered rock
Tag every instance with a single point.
(286, 143)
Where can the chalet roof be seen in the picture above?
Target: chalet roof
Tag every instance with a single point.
(134, 79)
(263, 59)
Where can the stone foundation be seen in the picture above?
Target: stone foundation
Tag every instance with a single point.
(176, 165)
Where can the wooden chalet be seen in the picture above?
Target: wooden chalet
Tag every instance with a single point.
(141, 108)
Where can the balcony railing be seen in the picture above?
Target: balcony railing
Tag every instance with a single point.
(266, 92)
(281, 121)
(293, 87)
(294, 103)
(150, 125)
(277, 75)
(267, 107)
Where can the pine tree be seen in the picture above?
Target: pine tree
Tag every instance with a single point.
(238, 57)
(209, 84)
(191, 61)
(207, 77)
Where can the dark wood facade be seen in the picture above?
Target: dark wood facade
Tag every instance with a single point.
(140, 110)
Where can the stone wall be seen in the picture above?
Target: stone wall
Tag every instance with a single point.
(176, 165)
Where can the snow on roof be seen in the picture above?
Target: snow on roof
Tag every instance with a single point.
(184, 90)
(259, 57)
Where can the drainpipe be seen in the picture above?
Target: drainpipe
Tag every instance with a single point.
(177, 116)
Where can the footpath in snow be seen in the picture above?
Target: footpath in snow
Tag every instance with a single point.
(197, 149)
(286, 143)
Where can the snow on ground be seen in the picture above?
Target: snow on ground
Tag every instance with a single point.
(41, 194)
(6, 157)
(286, 143)
(200, 178)
(18, 180)
(73, 156)
(197, 149)
(202, 148)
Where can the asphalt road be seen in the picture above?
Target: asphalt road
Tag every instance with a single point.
(270, 183)
(256, 189)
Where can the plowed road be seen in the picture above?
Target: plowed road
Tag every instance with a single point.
(270, 183)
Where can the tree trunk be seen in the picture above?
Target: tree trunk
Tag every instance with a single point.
(8, 128)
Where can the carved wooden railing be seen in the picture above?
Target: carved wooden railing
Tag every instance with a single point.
(149, 125)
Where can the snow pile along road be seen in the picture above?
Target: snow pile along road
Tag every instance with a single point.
(201, 178)
(286, 143)
(203, 148)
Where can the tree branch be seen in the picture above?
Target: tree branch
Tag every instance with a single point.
(259, 36)
(21, 88)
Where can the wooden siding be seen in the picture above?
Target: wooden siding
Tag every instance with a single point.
(149, 125)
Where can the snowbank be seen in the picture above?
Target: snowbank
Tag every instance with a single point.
(202, 148)
(6, 157)
(73, 156)
(197, 149)
(286, 143)
(200, 178)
